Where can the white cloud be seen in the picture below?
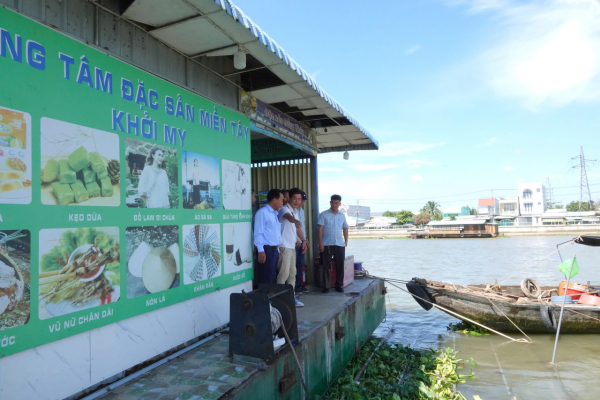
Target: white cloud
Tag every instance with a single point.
(416, 178)
(394, 149)
(330, 169)
(509, 168)
(492, 141)
(410, 164)
(412, 49)
(476, 6)
(545, 52)
(374, 167)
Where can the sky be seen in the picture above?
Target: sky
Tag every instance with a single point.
(467, 98)
(209, 166)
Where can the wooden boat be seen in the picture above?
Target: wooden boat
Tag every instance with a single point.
(490, 305)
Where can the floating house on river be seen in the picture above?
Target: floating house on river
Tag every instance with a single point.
(118, 288)
(463, 227)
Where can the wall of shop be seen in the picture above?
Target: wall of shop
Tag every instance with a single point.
(100, 27)
(64, 368)
(286, 175)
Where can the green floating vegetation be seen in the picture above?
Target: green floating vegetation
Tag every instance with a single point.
(468, 329)
(397, 372)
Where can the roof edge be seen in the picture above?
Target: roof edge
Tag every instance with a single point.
(236, 13)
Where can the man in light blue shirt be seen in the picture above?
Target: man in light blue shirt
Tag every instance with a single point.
(332, 224)
(267, 236)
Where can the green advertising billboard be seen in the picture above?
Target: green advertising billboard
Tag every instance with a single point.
(120, 193)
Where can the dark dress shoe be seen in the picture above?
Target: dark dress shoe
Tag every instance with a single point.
(325, 290)
(339, 289)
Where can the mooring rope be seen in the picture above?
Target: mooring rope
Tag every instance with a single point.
(585, 315)
(457, 314)
(357, 378)
(515, 325)
(277, 314)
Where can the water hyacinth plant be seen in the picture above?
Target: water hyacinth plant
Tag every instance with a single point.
(468, 329)
(398, 372)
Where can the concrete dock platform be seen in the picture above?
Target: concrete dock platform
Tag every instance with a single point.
(332, 327)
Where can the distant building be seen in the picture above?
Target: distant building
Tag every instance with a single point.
(489, 206)
(560, 216)
(380, 223)
(360, 212)
(509, 211)
(532, 203)
(529, 209)
(456, 211)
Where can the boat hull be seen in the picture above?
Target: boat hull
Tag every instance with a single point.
(526, 316)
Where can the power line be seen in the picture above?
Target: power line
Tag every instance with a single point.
(378, 200)
(438, 197)
(584, 186)
(398, 202)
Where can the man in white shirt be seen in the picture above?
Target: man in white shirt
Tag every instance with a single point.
(290, 230)
(301, 247)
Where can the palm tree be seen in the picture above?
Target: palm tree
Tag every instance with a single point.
(431, 207)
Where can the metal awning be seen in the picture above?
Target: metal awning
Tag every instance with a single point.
(209, 29)
(552, 219)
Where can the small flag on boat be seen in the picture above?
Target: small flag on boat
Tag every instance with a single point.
(565, 266)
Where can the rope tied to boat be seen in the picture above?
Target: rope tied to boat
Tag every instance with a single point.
(521, 340)
(585, 315)
(277, 316)
(511, 321)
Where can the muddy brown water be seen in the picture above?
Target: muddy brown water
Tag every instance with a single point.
(506, 370)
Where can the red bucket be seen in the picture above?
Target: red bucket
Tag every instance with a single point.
(575, 290)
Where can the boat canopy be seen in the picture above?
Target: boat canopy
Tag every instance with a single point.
(589, 240)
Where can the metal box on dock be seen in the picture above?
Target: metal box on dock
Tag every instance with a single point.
(250, 333)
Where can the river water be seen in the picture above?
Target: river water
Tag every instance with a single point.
(506, 370)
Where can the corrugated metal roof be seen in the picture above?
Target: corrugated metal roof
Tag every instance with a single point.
(239, 15)
(203, 29)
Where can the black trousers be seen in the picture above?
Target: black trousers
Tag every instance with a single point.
(267, 272)
(196, 194)
(338, 253)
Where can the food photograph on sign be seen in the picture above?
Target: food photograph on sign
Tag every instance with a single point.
(79, 165)
(237, 241)
(201, 181)
(237, 193)
(79, 269)
(15, 157)
(201, 252)
(15, 264)
(152, 259)
(151, 175)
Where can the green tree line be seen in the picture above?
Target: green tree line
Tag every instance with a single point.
(430, 211)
